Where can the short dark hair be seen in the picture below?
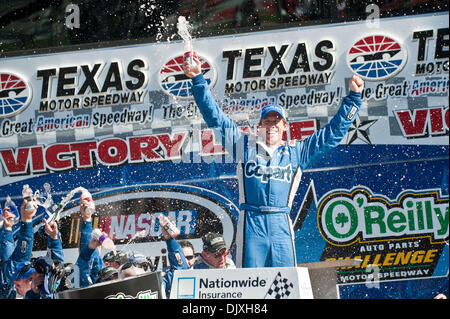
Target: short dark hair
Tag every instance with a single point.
(186, 243)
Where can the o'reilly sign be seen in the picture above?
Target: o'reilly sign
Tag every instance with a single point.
(345, 217)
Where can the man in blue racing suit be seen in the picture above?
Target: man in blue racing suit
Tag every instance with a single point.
(269, 170)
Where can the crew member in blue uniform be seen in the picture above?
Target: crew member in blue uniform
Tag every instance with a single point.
(269, 169)
(21, 253)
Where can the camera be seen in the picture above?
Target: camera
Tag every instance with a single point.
(43, 264)
(53, 270)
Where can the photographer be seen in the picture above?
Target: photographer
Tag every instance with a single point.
(21, 253)
(49, 268)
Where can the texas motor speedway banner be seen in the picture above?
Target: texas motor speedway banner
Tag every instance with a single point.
(122, 123)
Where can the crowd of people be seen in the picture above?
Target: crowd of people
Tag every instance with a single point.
(25, 277)
(22, 276)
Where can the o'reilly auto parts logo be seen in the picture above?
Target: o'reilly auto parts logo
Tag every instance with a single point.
(174, 82)
(15, 94)
(345, 217)
(376, 57)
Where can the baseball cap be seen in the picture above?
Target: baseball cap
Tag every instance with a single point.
(23, 270)
(266, 109)
(107, 273)
(213, 242)
(119, 257)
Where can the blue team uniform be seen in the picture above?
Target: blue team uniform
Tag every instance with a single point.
(22, 252)
(176, 261)
(268, 182)
(6, 244)
(89, 262)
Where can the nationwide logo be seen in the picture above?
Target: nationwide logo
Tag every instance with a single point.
(376, 57)
(174, 82)
(15, 94)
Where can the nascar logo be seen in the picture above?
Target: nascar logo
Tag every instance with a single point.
(15, 94)
(174, 82)
(376, 57)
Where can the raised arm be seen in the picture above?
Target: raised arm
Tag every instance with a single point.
(224, 128)
(327, 138)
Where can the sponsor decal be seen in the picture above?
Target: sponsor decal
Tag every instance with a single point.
(394, 239)
(266, 173)
(432, 51)
(174, 82)
(376, 57)
(76, 87)
(15, 94)
(207, 288)
(346, 217)
(352, 112)
(273, 283)
(270, 68)
(148, 294)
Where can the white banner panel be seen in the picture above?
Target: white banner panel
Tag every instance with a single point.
(243, 283)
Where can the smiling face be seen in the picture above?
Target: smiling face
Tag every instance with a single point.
(272, 128)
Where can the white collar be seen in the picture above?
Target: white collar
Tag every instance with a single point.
(269, 149)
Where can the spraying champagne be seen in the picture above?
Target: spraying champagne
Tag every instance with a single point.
(184, 28)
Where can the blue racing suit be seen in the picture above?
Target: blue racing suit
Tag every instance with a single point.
(21, 253)
(176, 261)
(268, 183)
(6, 244)
(89, 261)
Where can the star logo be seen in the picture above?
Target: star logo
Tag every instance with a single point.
(359, 130)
